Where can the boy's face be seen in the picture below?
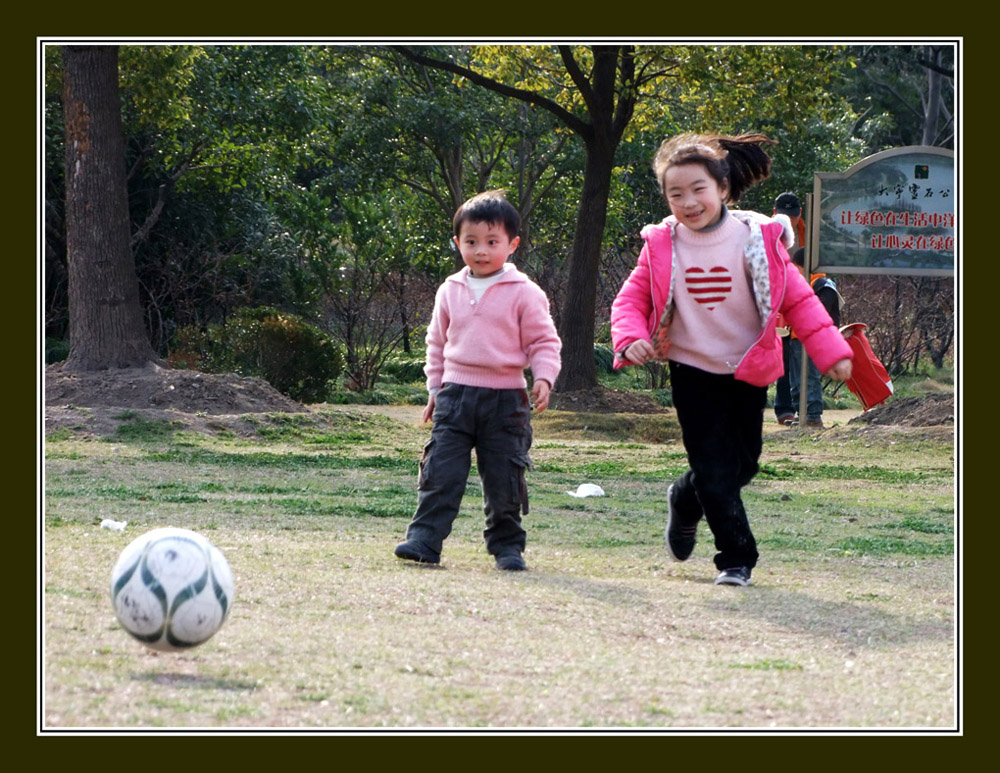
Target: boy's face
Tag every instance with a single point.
(485, 247)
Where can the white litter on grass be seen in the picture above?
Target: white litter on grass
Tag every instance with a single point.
(107, 523)
(587, 490)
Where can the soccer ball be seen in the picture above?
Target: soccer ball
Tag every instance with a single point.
(171, 589)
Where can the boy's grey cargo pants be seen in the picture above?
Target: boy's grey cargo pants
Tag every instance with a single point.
(497, 424)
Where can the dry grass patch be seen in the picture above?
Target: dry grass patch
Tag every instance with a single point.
(850, 622)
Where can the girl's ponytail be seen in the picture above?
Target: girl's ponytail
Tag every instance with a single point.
(748, 163)
(739, 161)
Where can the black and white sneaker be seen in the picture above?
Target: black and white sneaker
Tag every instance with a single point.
(680, 539)
(734, 575)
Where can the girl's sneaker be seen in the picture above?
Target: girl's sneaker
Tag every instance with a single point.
(735, 575)
(680, 539)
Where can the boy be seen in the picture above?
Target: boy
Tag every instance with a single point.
(490, 322)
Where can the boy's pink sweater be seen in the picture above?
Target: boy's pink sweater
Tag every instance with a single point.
(489, 343)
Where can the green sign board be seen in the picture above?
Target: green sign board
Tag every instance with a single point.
(892, 213)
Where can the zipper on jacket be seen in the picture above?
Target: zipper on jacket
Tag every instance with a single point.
(775, 311)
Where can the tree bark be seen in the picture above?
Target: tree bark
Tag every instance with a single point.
(579, 371)
(106, 328)
(601, 135)
(933, 107)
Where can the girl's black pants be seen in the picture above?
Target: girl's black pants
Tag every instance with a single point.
(721, 421)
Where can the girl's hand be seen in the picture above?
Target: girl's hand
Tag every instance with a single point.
(429, 408)
(841, 371)
(540, 392)
(638, 352)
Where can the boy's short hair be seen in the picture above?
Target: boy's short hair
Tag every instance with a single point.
(788, 204)
(488, 207)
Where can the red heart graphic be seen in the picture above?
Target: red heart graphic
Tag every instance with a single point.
(709, 288)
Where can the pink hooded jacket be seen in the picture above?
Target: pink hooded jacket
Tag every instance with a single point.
(644, 305)
(489, 342)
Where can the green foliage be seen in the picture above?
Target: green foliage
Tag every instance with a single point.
(56, 350)
(604, 356)
(403, 369)
(312, 176)
(296, 358)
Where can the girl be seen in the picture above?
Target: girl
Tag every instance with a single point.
(705, 296)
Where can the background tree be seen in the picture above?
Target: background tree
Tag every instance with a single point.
(105, 319)
(602, 85)
(903, 95)
(250, 169)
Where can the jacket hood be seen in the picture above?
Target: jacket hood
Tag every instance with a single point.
(744, 215)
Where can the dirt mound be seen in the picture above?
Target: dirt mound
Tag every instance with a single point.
(96, 404)
(203, 400)
(188, 391)
(604, 400)
(927, 411)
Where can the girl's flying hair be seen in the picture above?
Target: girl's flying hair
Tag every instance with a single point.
(737, 162)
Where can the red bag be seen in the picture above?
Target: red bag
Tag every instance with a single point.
(869, 379)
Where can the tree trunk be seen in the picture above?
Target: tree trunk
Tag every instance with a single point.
(106, 328)
(579, 370)
(933, 106)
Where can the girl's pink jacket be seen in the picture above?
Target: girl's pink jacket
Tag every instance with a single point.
(644, 305)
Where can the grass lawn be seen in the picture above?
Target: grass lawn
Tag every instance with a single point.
(850, 622)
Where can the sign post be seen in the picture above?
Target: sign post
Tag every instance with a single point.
(891, 213)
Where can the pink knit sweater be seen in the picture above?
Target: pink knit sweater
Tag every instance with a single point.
(489, 343)
(715, 317)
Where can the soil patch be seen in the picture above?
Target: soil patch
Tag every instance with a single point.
(98, 402)
(926, 411)
(604, 400)
(189, 391)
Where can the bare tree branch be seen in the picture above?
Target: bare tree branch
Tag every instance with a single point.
(574, 123)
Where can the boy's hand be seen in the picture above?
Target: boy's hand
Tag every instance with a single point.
(540, 394)
(429, 408)
(841, 371)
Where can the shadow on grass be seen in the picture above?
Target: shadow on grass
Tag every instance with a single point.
(198, 682)
(851, 622)
(604, 592)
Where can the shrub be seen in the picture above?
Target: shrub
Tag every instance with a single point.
(401, 369)
(296, 358)
(604, 358)
(56, 350)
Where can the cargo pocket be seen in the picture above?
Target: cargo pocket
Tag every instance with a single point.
(422, 472)
(520, 464)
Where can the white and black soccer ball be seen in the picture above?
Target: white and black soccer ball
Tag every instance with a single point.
(172, 589)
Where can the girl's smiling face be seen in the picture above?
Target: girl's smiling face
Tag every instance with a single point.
(695, 198)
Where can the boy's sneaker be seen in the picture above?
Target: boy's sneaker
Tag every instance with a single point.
(680, 539)
(412, 551)
(735, 575)
(787, 419)
(511, 562)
